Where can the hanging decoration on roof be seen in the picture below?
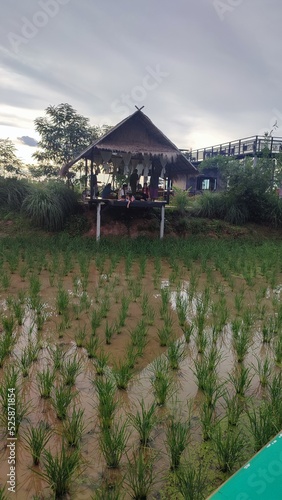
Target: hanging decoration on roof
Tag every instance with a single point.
(126, 160)
(147, 164)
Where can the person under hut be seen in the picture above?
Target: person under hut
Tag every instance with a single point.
(108, 192)
(133, 179)
(154, 181)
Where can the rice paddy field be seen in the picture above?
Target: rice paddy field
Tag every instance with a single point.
(136, 369)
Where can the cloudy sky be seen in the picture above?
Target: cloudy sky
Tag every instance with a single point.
(206, 71)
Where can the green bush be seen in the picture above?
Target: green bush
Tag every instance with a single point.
(13, 192)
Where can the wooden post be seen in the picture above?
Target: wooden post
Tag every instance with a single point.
(91, 181)
(98, 224)
(162, 222)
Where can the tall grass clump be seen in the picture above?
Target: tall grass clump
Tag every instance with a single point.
(43, 208)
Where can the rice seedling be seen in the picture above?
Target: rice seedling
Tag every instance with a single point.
(122, 374)
(5, 280)
(207, 419)
(191, 481)
(262, 424)
(3, 495)
(37, 438)
(263, 369)
(142, 266)
(165, 296)
(24, 362)
(61, 470)
(201, 371)
(91, 346)
(70, 369)
(175, 354)
(107, 400)
(241, 344)
(40, 316)
(110, 490)
(140, 476)
(84, 301)
(45, 382)
(61, 399)
(150, 315)
(188, 329)
(104, 306)
(201, 341)
(80, 336)
(113, 441)
(144, 421)
(96, 319)
(19, 311)
(144, 304)
(268, 330)
(177, 438)
(139, 334)
(193, 284)
(213, 390)
(101, 362)
(62, 301)
(57, 355)
(164, 335)
(274, 391)
(73, 428)
(239, 299)
(278, 350)
(181, 308)
(228, 447)
(162, 387)
(34, 290)
(241, 381)
(109, 332)
(234, 408)
(132, 354)
(136, 290)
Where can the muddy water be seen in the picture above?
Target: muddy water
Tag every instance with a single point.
(114, 285)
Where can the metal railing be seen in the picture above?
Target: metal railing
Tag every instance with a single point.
(249, 146)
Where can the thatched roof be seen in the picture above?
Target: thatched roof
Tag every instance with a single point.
(138, 136)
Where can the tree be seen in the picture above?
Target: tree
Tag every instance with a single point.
(9, 162)
(64, 134)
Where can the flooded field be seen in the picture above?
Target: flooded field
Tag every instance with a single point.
(139, 375)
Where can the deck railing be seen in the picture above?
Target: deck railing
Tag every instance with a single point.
(249, 146)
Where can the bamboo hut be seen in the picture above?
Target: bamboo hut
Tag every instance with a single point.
(135, 142)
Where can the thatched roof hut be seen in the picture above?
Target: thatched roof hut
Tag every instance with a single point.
(136, 141)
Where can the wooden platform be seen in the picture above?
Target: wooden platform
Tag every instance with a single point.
(116, 204)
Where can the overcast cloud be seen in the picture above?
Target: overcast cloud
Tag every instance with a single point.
(207, 71)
